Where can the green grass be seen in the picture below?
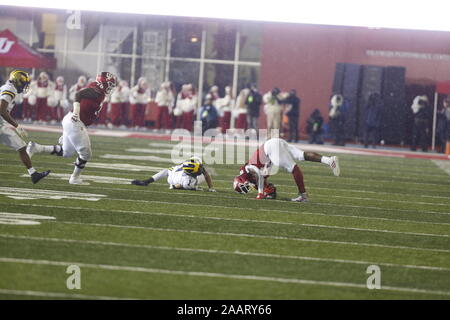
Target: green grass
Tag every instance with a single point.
(156, 243)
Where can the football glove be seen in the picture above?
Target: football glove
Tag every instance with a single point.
(270, 191)
(212, 190)
(21, 132)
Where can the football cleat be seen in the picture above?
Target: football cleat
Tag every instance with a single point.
(335, 166)
(33, 148)
(302, 197)
(142, 183)
(260, 196)
(37, 176)
(75, 180)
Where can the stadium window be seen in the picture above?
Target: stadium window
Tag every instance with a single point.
(246, 75)
(250, 42)
(182, 72)
(186, 40)
(220, 41)
(120, 66)
(151, 69)
(217, 74)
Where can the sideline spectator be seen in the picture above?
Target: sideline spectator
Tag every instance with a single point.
(119, 107)
(208, 114)
(253, 103)
(44, 90)
(224, 106)
(139, 97)
(81, 84)
(240, 110)
(372, 123)
(442, 123)
(189, 107)
(314, 127)
(59, 100)
(292, 111)
(164, 101)
(178, 110)
(337, 115)
(422, 115)
(272, 109)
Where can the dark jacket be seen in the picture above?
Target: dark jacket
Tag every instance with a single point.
(314, 122)
(374, 109)
(253, 103)
(294, 101)
(208, 113)
(424, 113)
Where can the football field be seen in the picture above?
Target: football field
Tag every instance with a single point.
(155, 243)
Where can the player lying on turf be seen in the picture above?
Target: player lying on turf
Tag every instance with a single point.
(183, 176)
(18, 82)
(75, 139)
(277, 152)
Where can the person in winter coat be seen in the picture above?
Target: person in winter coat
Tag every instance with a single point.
(224, 106)
(139, 98)
(442, 126)
(240, 110)
(292, 112)
(164, 100)
(253, 104)
(422, 116)
(208, 114)
(272, 109)
(337, 114)
(374, 110)
(314, 127)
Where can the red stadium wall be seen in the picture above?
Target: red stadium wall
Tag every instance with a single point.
(303, 57)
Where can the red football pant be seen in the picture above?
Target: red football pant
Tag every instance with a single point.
(137, 115)
(163, 118)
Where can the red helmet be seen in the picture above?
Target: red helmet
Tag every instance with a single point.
(105, 81)
(241, 185)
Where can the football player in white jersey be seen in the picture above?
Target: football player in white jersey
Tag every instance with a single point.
(18, 82)
(183, 176)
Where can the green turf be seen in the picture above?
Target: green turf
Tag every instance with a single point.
(156, 243)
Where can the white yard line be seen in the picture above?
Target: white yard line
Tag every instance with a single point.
(113, 180)
(211, 251)
(28, 194)
(17, 196)
(362, 244)
(315, 203)
(444, 165)
(45, 294)
(250, 199)
(219, 275)
(96, 210)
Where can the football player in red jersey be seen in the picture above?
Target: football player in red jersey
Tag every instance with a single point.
(277, 152)
(86, 107)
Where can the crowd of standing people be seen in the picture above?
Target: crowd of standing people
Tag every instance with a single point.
(47, 102)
